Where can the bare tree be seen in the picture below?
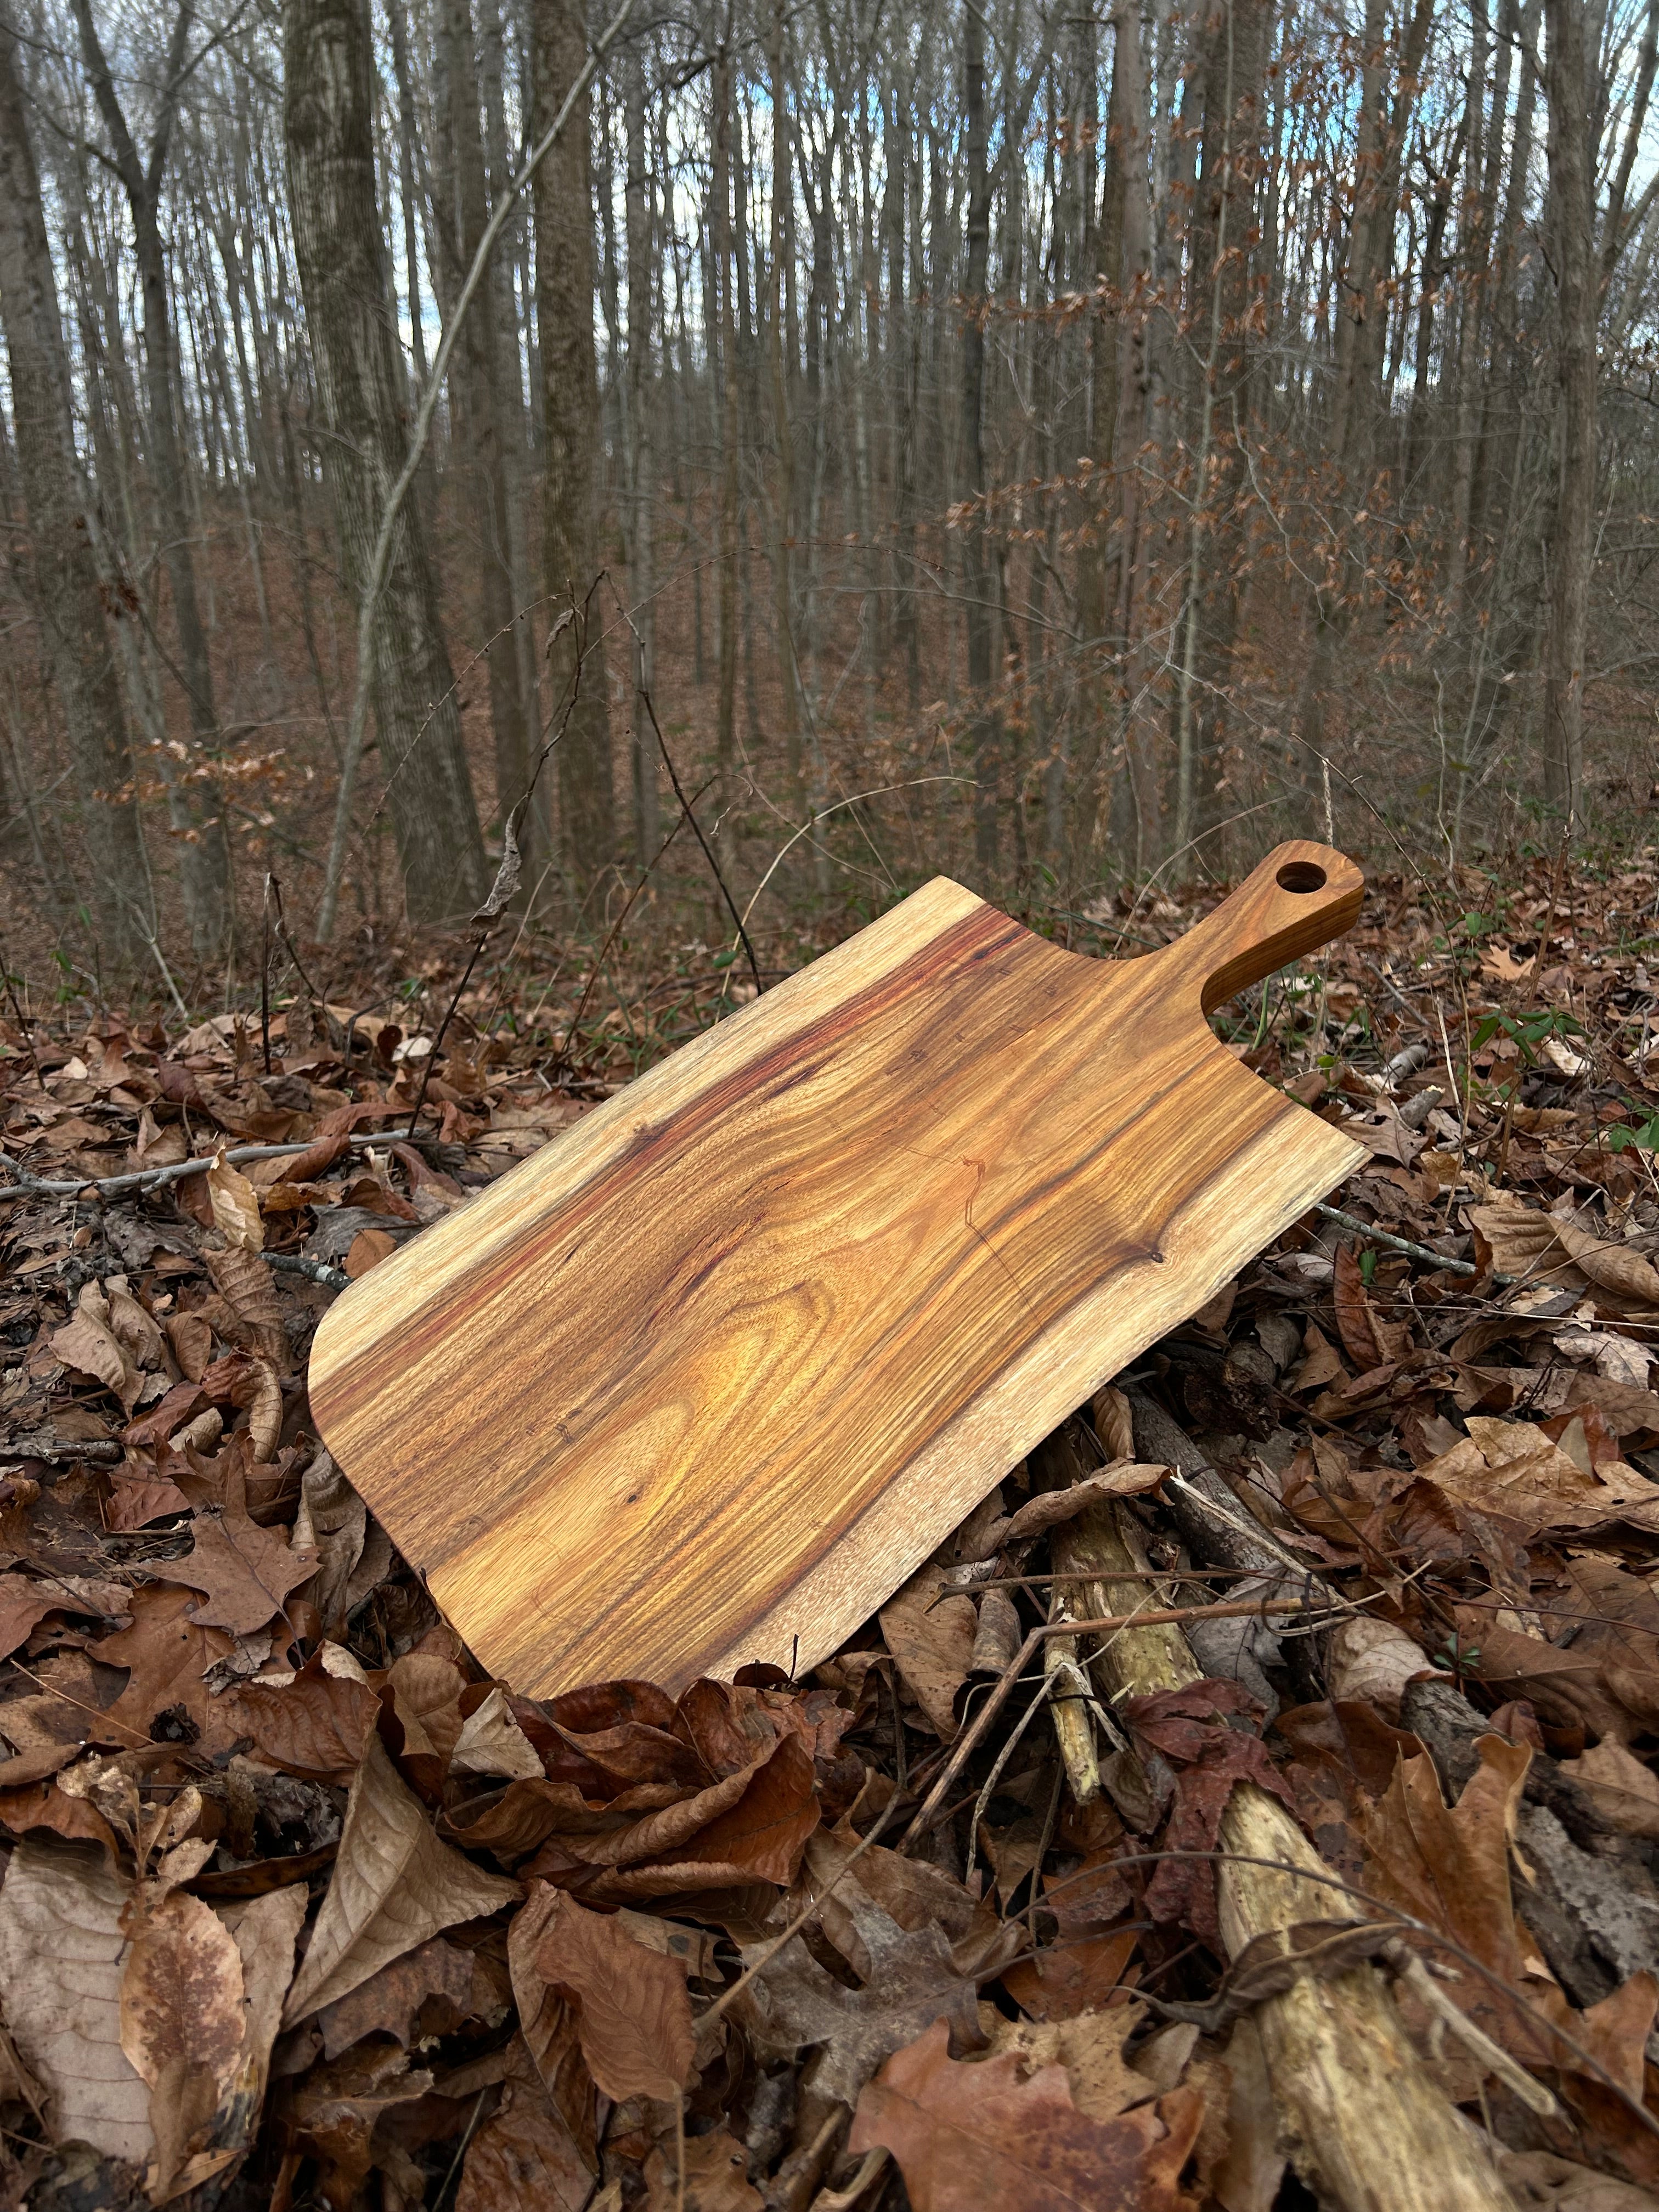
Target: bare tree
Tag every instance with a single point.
(328, 92)
(68, 600)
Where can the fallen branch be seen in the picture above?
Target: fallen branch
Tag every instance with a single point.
(1365, 2121)
(143, 1179)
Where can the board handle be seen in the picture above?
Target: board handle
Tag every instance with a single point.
(1301, 896)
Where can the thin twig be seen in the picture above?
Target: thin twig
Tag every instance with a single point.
(144, 1179)
(708, 851)
(1436, 1260)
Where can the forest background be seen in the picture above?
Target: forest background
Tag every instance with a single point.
(1063, 449)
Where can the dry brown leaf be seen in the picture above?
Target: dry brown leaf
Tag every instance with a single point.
(265, 1931)
(386, 2003)
(932, 1641)
(242, 1277)
(548, 2023)
(1624, 1791)
(236, 1205)
(913, 1981)
(633, 2016)
(967, 2135)
(523, 2158)
(169, 1652)
(1609, 1266)
(191, 1340)
(1368, 1659)
(1513, 1470)
(181, 1991)
(492, 1742)
(333, 1522)
(369, 1247)
(394, 1885)
(245, 1572)
(716, 2177)
(61, 1955)
(87, 1343)
(316, 1725)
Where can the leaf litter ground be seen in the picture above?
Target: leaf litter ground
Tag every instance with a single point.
(300, 1908)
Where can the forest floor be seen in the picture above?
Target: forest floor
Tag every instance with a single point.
(300, 1908)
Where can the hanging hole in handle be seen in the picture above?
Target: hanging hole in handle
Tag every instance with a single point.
(1301, 876)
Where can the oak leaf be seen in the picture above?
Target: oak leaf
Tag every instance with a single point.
(245, 1572)
(794, 2003)
(965, 2136)
(394, 1885)
(169, 1652)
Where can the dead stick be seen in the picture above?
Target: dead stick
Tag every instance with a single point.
(1370, 2128)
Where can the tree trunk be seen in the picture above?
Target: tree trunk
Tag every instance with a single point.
(483, 434)
(976, 578)
(1571, 229)
(570, 394)
(641, 449)
(68, 605)
(205, 854)
(328, 93)
(724, 322)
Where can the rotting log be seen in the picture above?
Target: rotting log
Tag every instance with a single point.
(1363, 2121)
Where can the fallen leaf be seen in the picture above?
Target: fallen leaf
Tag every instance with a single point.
(394, 1885)
(25, 1602)
(236, 1205)
(1609, 1266)
(245, 1572)
(794, 2002)
(1624, 1791)
(386, 2003)
(169, 1652)
(316, 1725)
(60, 1953)
(633, 2017)
(492, 1742)
(88, 1344)
(181, 1991)
(1368, 1659)
(522, 2159)
(932, 1641)
(548, 2024)
(242, 1277)
(966, 2136)
(369, 1247)
(715, 2178)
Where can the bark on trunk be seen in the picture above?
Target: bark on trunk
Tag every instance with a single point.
(328, 90)
(570, 394)
(1573, 213)
(68, 605)
(642, 465)
(483, 435)
(205, 851)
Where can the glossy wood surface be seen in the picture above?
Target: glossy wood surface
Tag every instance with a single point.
(705, 1378)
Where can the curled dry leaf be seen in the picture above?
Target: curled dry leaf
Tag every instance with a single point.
(87, 1343)
(316, 1725)
(242, 1277)
(967, 2136)
(61, 1953)
(235, 1204)
(394, 1885)
(633, 2016)
(1624, 1791)
(492, 1742)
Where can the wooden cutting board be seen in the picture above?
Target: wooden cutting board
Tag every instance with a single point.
(705, 1379)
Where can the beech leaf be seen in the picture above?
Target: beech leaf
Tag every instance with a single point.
(236, 1205)
(394, 1885)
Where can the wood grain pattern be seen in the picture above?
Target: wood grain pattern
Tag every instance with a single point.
(705, 1378)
